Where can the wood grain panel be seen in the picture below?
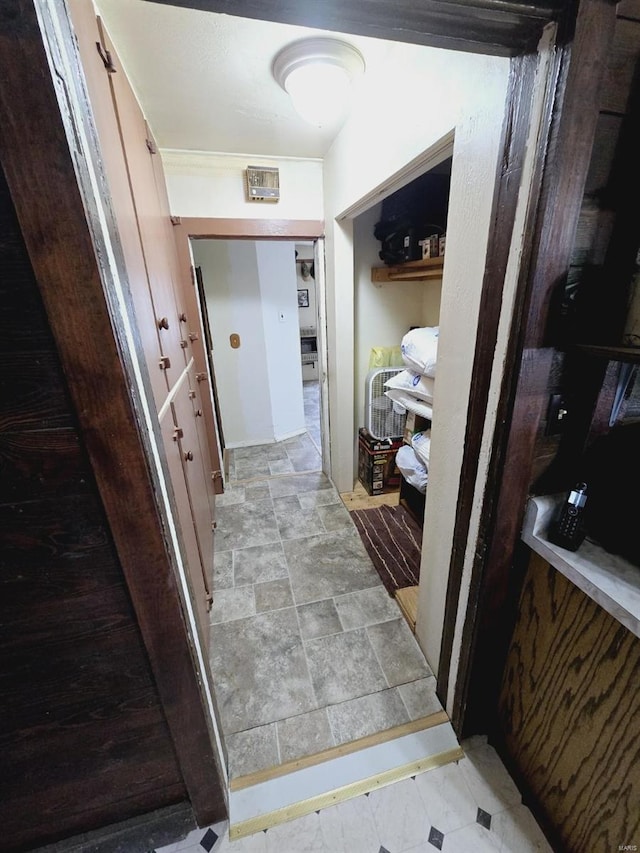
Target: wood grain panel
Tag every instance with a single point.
(568, 713)
(629, 9)
(604, 147)
(621, 67)
(23, 322)
(33, 393)
(41, 464)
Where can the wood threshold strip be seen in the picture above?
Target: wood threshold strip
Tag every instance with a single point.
(338, 751)
(339, 795)
(407, 599)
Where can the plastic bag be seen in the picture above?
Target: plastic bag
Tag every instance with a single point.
(411, 468)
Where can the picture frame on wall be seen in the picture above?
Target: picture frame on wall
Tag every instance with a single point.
(303, 298)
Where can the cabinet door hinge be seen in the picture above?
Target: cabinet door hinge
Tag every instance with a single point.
(216, 475)
(105, 56)
(151, 146)
(209, 600)
(175, 220)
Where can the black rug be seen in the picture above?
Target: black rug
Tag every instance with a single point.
(393, 541)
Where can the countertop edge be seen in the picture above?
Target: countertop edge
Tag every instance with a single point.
(610, 581)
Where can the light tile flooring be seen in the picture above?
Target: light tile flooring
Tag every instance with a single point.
(471, 806)
(294, 593)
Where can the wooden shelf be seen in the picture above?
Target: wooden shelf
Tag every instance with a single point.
(631, 355)
(429, 268)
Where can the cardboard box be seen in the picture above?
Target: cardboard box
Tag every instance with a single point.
(377, 469)
(430, 246)
(414, 423)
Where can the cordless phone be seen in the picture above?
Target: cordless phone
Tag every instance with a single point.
(568, 529)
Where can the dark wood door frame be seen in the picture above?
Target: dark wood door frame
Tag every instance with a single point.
(515, 133)
(497, 27)
(584, 45)
(48, 176)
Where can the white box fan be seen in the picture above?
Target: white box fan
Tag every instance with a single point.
(381, 419)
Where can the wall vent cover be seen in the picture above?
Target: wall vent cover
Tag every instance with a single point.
(263, 183)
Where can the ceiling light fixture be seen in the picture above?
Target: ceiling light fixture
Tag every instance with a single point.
(318, 74)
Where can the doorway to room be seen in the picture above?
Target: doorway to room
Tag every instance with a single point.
(262, 307)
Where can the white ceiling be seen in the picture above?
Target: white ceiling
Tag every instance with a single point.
(204, 79)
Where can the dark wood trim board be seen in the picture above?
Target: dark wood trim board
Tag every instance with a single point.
(582, 59)
(62, 239)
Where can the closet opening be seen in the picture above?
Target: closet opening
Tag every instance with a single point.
(399, 249)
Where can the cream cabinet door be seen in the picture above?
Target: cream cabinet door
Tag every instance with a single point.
(197, 476)
(98, 79)
(174, 449)
(150, 221)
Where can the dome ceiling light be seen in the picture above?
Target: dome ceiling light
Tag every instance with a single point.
(319, 74)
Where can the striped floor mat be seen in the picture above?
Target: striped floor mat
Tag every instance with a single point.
(392, 539)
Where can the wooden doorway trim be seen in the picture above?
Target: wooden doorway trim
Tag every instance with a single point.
(202, 228)
(515, 133)
(65, 220)
(497, 27)
(584, 45)
(187, 229)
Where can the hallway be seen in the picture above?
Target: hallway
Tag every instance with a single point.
(294, 593)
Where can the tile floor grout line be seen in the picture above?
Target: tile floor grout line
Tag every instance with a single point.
(377, 657)
(278, 752)
(304, 651)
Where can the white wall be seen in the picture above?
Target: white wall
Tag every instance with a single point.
(259, 384)
(466, 93)
(206, 184)
(279, 304)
